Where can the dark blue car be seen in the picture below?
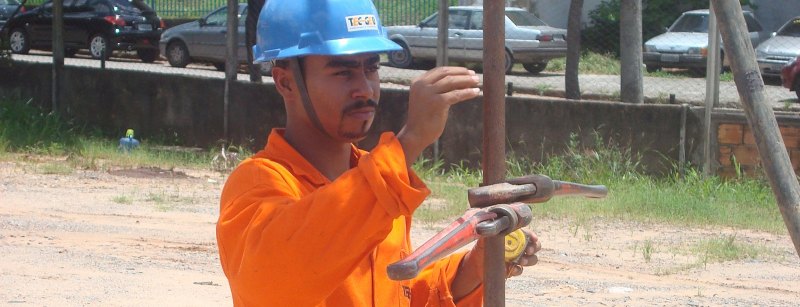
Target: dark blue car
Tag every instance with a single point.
(8, 7)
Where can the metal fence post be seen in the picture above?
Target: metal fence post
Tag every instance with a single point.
(494, 138)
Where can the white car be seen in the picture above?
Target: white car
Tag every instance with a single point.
(529, 40)
(685, 44)
(777, 51)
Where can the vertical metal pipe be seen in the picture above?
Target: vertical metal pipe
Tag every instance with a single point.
(58, 52)
(441, 48)
(231, 60)
(494, 137)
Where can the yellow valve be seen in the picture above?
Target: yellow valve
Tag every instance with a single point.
(515, 245)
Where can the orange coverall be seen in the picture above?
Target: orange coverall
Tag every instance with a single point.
(288, 236)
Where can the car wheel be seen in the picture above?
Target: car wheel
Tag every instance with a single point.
(652, 68)
(147, 55)
(178, 54)
(509, 61)
(219, 66)
(98, 47)
(402, 58)
(535, 68)
(19, 41)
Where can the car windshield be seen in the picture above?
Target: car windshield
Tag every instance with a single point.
(691, 23)
(9, 2)
(791, 29)
(522, 19)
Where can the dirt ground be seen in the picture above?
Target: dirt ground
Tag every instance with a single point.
(145, 237)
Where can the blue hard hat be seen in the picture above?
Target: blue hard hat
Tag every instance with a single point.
(293, 28)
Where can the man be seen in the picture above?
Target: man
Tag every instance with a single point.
(313, 221)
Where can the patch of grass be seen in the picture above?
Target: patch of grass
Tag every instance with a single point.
(122, 199)
(647, 250)
(590, 63)
(726, 248)
(694, 200)
(26, 128)
(55, 168)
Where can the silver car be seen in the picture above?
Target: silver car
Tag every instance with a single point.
(204, 40)
(685, 44)
(529, 40)
(777, 51)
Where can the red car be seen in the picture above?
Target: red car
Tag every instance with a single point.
(790, 74)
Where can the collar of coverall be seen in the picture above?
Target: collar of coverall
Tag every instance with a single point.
(294, 65)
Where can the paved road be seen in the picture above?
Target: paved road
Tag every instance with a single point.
(657, 90)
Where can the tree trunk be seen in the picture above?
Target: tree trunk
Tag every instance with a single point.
(631, 87)
(572, 85)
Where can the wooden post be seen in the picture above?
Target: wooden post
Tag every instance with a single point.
(771, 149)
(231, 61)
(712, 88)
(58, 52)
(494, 138)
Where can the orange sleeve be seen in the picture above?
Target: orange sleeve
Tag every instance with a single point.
(433, 283)
(276, 247)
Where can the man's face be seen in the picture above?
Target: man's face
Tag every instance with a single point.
(344, 91)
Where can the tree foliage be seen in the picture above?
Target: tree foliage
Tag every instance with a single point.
(603, 33)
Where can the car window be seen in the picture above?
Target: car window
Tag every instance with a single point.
(691, 23)
(458, 20)
(523, 18)
(218, 18)
(476, 22)
(101, 7)
(752, 24)
(242, 17)
(791, 29)
(431, 22)
(9, 2)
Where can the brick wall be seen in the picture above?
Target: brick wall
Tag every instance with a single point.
(738, 146)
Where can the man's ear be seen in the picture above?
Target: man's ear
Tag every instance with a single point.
(283, 79)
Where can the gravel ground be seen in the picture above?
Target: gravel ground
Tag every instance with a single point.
(145, 237)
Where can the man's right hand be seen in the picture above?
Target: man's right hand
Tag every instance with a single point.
(429, 101)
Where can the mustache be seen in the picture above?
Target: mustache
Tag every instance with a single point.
(360, 104)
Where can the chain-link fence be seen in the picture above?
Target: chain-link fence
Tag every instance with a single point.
(674, 40)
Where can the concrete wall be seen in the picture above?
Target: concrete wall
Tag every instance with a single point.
(190, 110)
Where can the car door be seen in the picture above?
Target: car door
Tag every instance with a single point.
(41, 26)
(458, 33)
(422, 40)
(472, 37)
(77, 15)
(209, 40)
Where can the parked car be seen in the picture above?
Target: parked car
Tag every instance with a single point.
(529, 40)
(8, 7)
(685, 44)
(101, 26)
(784, 45)
(790, 75)
(204, 40)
